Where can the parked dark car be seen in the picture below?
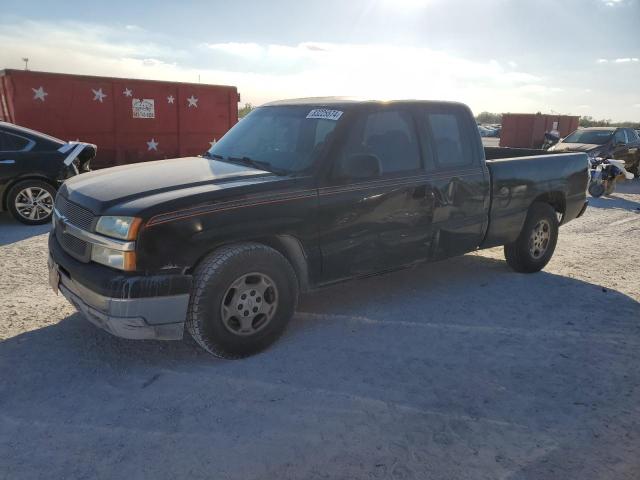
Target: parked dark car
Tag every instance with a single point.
(32, 167)
(297, 195)
(605, 142)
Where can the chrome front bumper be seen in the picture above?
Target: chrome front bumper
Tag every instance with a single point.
(152, 318)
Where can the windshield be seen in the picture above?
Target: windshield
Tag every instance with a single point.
(283, 138)
(595, 137)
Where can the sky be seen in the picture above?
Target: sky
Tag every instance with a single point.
(579, 57)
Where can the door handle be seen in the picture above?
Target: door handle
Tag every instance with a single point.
(7, 162)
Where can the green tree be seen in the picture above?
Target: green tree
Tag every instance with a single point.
(488, 117)
(244, 111)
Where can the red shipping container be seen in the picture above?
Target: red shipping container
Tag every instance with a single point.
(526, 130)
(129, 120)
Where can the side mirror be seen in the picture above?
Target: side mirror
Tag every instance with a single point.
(359, 166)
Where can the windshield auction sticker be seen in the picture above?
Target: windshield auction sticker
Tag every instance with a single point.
(325, 114)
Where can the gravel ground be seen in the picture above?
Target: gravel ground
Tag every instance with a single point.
(455, 370)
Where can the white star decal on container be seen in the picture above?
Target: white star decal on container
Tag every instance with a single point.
(213, 143)
(98, 95)
(39, 94)
(170, 99)
(127, 92)
(152, 145)
(193, 102)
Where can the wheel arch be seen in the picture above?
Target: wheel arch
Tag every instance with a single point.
(557, 199)
(288, 246)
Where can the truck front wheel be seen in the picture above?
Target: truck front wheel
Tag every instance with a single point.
(242, 299)
(536, 243)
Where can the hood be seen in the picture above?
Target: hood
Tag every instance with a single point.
(140, 185)
(575, 147)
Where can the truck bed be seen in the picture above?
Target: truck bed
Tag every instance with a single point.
(518, 181)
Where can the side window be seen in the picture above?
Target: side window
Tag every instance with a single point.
(12, 143)
(389, 135)
(620, 136)
(447, 133)
(632, 135)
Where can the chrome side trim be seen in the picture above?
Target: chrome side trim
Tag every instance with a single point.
(92, 238)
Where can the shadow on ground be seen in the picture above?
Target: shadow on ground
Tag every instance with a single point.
(12, 231)
(616, 200)
(460, 369)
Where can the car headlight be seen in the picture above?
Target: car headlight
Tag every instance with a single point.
(123, 228)
(113, 258)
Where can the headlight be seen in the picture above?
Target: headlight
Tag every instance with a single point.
(113, 258)
(123, 228)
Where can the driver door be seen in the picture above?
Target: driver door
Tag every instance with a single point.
(370, 225)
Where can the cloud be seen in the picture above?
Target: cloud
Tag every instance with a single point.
(619, 60)
(265, 72)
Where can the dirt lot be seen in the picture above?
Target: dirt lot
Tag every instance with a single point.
(456, 370)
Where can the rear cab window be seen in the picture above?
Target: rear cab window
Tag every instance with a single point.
(446, 136)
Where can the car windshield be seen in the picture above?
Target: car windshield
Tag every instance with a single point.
(282, 139)
(595, 137)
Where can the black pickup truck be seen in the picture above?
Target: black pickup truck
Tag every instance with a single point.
(299, 194)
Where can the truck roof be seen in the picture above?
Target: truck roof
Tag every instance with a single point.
(336, 101)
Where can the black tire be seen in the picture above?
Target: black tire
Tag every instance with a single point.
(212, 281)
(519, 254)
(596, 189)
(19, 212)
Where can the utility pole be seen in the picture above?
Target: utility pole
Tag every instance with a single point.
(26, 63)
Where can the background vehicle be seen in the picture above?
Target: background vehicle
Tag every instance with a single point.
(605, 142)
(299, 194)
(604, 174)
(32, 167)
(550, 139)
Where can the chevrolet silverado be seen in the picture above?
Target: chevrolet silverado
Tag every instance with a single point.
(299, 194)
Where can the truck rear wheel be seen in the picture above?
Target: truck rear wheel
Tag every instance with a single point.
(536, 243)
(242, 299)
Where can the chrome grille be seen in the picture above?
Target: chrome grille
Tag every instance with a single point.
(75, 214)
(73, 246)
